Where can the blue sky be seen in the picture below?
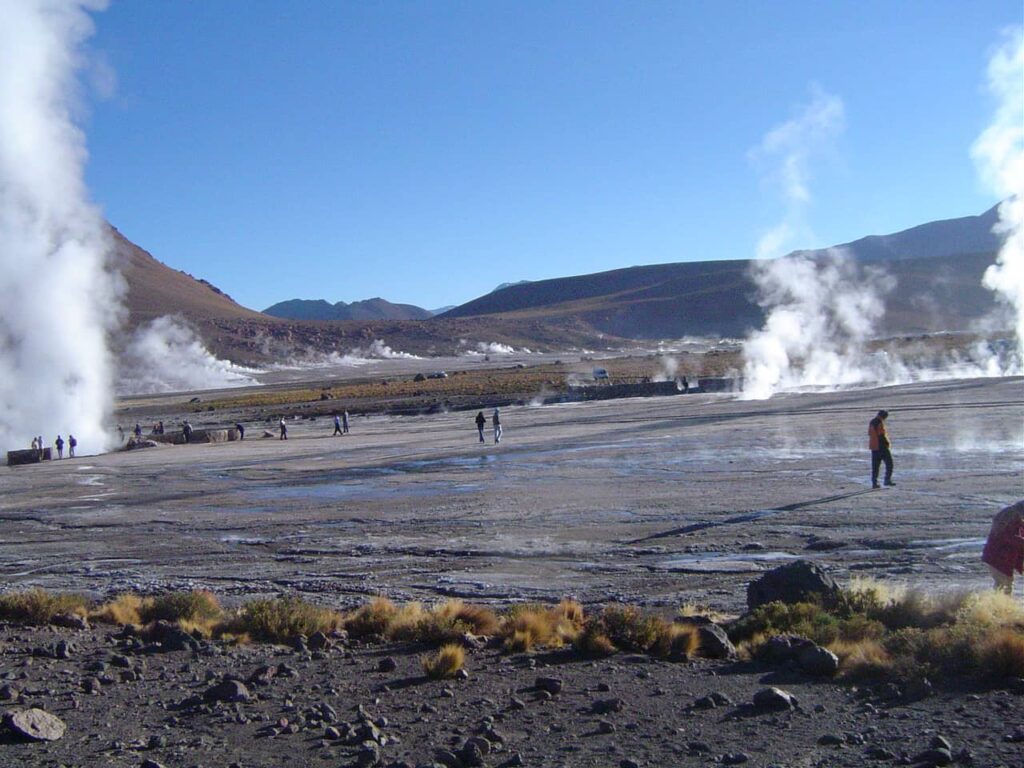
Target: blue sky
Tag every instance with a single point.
(427, 151)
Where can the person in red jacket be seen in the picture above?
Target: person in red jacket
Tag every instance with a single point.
(1004, 548)
(878, 442)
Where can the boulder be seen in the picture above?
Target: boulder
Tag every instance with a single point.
(818, 661)
(35, 724)
(70, 621)
(714, 643)
(796, 582)
(227, 690)
(774, 699)
(782, 648)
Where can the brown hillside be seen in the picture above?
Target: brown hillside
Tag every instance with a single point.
(154, 289)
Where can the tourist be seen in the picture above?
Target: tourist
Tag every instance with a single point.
(344, 422)
(35, 444)
(481, 422)
(72, 444)
(284, 429)
(337, 425)
(186, 430)
(160, 428)
(878, 442)
(120, 433)
(496, 422)
(686, 385)
(1004, 548)
(60, 447)
(241, 430)
(138, 431)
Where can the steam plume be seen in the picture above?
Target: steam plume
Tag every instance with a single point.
(999, 155)
(58, 298)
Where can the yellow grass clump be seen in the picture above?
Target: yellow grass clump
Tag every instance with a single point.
(537, 626)
(446, 663)
(677, 642)
(38, 606)
(372, 619)
(280, 620)
(198, 607)
(1001, 655)
(862, 658)
(124, 609)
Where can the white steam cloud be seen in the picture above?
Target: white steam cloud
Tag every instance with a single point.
(999, 155)
(165, 355)
(58, 299)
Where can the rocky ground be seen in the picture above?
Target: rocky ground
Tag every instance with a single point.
(129, 703)
(656, 502)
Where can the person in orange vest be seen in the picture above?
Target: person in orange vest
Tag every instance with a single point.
(878, 442)
(1004, 548)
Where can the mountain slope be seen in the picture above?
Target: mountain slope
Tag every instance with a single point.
(938, 268)
(369, 309)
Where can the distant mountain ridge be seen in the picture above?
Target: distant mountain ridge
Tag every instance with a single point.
(938, 267)
(369, 309)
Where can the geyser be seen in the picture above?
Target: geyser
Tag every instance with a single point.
(58, 294)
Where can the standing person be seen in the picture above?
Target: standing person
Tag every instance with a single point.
(337, 425)
(72, 444)
(241, 430)
(60, 447)
(186, 430)
(878, 442)
(344, 422)
(120, 433)
(686, 385)
(481, 422)
(496, 423)
(1004, 548)
(284, 429)
(35, 444)
(160, 428)
(138, 431)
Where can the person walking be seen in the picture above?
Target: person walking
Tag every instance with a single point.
(72, 444)
(284, 429)
(496, 423)
(241, 430)
(344, 422)
(878, 442)
(138, 431)
(120, 433)
(481, 422)
(686, 386)
(60, 447)
(186, 430)
(1004, 548)
(337, 425)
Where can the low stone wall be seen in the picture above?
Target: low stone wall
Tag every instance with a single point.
(720, 384)
(28, 456)
(613, 391)
(198, 436)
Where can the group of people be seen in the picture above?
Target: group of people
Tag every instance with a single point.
(340, 424)
(72, 443)
(481, 422)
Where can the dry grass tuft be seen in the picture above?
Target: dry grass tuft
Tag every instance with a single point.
(1001, 656)
(197, 607)
(478, 619)
(593, 642)
(122, 610)
(445, 663)
(280, 620)
(677, 642)
(372, 619)
(687, 610)
(862, 659)
(536, 626)
(991, 609)
(37, 606)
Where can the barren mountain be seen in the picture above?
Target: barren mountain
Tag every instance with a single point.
(369, 309)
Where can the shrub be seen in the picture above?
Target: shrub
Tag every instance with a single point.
(1001, 655)
(445, 663)
(198, 607)
(529, 626)
(809, 620)
(124, 609)
(864, 658)
(281, 619)
(372, 619)
(592, 641)
(37, 606)
(676, 641)
(479, 619)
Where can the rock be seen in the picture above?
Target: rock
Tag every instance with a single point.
(774, 699)
(713, 700)
(831, 740)
(267, 433)
(368, 755)
(8, 692)
(387, 664)
(782, 648)
(448, 758)
(151, 764)
(917, 690)
(604, 706)
(35, 724)
(933, 757)
(604, 726)
(318, 641)
(262, 675)
(92, 685)
(714, 643)
(69, 621)
(471, 754)
(171, 637)
(628, 763)
(794, 582)
(940, 742)
(879, 753)
(552, 685)
(228, 691)
(735, 758)
(818, 661)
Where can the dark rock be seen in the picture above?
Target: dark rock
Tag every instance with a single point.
(448, 758)
(387, 664)
(933, 757)
(794, 582)
(150, 764)
(92, 685)
(262, 675)
(714, 643)
(831, 740)
(917, 690)
(782, 648)
(604, 726)
(35, 724)
(604, 706)
(8, 692)
(368, 755)
(69, 621)
(818, 661)
(318, 641)
(879, 753)
(552, 685)
(940, 742)
(774, 699)
(228, 691)
(471, 754)
(735, 758)
(171, 637)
